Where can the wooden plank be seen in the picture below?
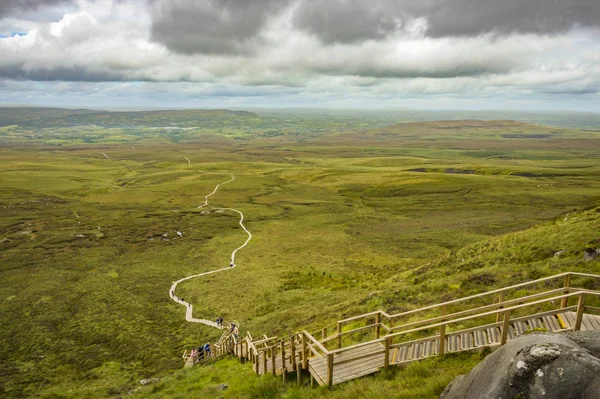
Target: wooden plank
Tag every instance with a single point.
(455, 342)
(466, 341)
(561, 321)
(418, 351)
(435, 347)
(550, 323)
(594, 321)
(350, 370)
(493, 335)
(427, 349)
(340, 368)
(358, 357)
(586, 323)
(403, 354)
(520, 328)
(570, 318)
(480, 338)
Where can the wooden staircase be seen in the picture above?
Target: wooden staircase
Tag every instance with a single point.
(355, 347)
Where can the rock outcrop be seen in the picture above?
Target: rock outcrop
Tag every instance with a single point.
(535, 366)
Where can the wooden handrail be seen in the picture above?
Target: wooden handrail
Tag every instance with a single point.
(492, 306)
(476, 296)
(315, 341)
(357, 345)
(493, 312)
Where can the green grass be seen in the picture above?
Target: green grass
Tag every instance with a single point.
(342, 224)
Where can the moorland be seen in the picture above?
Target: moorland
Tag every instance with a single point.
(347, 216)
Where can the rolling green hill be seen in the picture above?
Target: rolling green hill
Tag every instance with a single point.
(388, 218)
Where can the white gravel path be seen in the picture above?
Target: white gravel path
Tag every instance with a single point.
(189, 308)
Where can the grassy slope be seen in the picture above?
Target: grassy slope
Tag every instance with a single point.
(343, 223)
(494, 262)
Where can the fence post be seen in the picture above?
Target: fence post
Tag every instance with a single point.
(565, 301)
(339, 333)
(293, 349)
(330, 369)
(580, 309)
(282, 355)
(442, 343)
(264, 361)
(377, 325)
(324, 333)
(386, 358)
(500, 300)
(505, 327)
(273, 355)
(304, 349)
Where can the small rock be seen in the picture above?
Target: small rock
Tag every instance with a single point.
(591, 254)
(539, 373)
(180, 234)
(544, 352)
(148, 381)
(559, 253)
(223, 387)
(204, 212)
(165, 235)
(521, 365)
(78, 235)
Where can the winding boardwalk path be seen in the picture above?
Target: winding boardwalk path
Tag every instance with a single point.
(189, 308)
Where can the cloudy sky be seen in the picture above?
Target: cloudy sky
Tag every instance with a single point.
(425, 54)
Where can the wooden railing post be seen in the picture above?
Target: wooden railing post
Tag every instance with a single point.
(283, 355)
(377, 325)
(565, 301)
(386, 358)
(500, 300)
(580, 309)
(330, 369)
(339, 333)
(442, 344)
(304, 354)
(273, 355)
(293, 349)
(505, 327)
(299, 373)
(324, 333)
(264, 361)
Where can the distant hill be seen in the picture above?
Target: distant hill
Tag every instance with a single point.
(58, 117)
(460, 134)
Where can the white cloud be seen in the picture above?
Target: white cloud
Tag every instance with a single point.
(111, 41)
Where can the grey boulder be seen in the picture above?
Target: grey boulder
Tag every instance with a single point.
(534, 366)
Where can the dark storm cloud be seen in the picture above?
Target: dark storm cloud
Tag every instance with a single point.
(469, 17)
(210, 26)
(226, 26)
(348, 21)
(13, 7)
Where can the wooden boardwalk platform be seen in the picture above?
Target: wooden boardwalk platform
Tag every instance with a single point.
(369, 359)
(349, 365)
(364, 344)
